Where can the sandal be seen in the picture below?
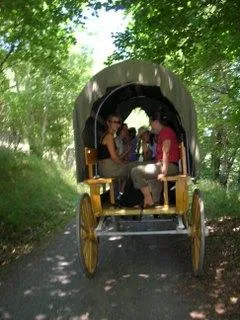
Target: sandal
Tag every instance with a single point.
(137, 206)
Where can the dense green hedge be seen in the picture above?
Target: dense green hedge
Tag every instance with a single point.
(219, 201)
(34, 193)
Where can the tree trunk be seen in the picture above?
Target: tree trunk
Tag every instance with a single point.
(216, 152)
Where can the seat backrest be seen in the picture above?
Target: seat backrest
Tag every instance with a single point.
(90, 160)
(183, 161)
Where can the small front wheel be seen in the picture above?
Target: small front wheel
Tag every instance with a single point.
(197, 227)
(86, 237)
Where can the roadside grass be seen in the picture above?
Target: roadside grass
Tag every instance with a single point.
(36, 197)
(219, 202)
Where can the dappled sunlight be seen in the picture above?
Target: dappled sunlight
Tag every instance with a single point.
(27, 292)
(84, 316)
(170, 83)
(140, 78)
(40, 317)
(64, 279)
(234, 300)
(144, 276)
(58, 293)
(54, 282)
(156, 270)
(115, 238)
(198, 315)
(220, 308)
(63, 263)
(109, 284)
(5, 315)
(222, 278)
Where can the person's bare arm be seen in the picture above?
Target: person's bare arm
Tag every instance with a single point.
(147, 152)
(109, 141)
(126, 152)
(165, 149)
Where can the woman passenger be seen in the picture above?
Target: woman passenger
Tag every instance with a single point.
(122, 142)
(145, 145)
(110, 163)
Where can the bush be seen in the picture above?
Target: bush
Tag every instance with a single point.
(34, 193)
(220, 201)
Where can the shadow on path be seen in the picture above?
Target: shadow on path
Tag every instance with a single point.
(138, 278)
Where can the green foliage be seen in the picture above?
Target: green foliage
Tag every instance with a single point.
(185, 34)
(35, 195)
(37, 31)
(38, 109)
(218, 108)
(219, 201)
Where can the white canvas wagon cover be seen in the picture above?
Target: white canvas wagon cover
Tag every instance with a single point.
(122, 87)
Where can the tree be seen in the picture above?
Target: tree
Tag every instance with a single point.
(217, 99)
(38, 109)
(187, 35)
(37, 31)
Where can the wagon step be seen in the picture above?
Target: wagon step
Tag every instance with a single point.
(117, 227)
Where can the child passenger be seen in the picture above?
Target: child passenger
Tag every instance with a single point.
(133, 144)
(145, 144)
(122, 142)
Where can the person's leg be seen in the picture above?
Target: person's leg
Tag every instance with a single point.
(148, 200)
(140, 175)
(156, 188)
(111, 169)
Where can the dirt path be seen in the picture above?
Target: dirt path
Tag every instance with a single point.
(138, 278)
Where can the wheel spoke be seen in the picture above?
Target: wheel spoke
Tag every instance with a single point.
(83, 227)
(84, 220)
(196, 254)
(84, 249)
(84, 235)
(90, 256)
(94, 243)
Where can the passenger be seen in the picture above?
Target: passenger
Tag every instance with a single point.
(153, 144)
(122, 140)
(133, 144)
(144, 144)
(110, 163)
(167, 157)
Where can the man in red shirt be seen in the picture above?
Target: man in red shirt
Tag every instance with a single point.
(166, 162)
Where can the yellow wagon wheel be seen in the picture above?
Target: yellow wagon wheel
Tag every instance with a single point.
(197, 226)
(86, 237)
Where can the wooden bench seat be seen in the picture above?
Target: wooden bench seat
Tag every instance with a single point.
(95, 182)
(181, 187)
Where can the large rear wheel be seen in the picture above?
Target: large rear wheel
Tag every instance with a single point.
(197, 226)
(86, 237)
